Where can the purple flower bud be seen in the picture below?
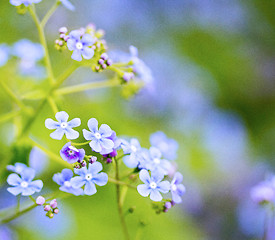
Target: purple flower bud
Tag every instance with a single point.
(60, 43)
(100, 61)
(62, 35)
(40, 200)
(91, 26)
(56, 41)
(82, 31)
(50, 215)
(47, 208)
(109, 62)
(63, 30)
(167, 205)
(94, 47)
(83, 163)
(97, 68)
(56, 211)
(77, 166)
(92, 159)
(128, 76)
(109, 160)
(66, 38)
(104, 66)
(113, 153)
(98, 45)
(173, 203)
(53, 203)
(104, 56)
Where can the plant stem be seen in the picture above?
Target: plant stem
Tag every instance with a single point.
(49, 13)
(80, 144)
(31, 197)
(119, 204)
(9, 116)
(87, 86)
(111, 180)
(53, 105)
(18, 204)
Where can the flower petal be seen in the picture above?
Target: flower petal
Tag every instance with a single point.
(15, 190)
(107, 143)
(87, 52)
(67, 4)
(36, 185)
(155, 152)
(88, 40)
(57, 134)
(100, 179)
(93, 125)
(181, 189)
(95, 168)
(143, 190)
(51, 124)
(75, 34)
(144, 176)
(131, 161)
(95, 145)
(71, 133)
(157, 176)
(176, 198)
(87, 134)
(105, 130)
(76, 55)
(78, 182)
(62, 116)
(71, 44)
(67, 174)
(58, 178)
(28, 174)
(14, 179)
(74, 122)
(82, 171)
(155, 195)
(90, 188)
(27, 191)
(177, 178)
(164, 186)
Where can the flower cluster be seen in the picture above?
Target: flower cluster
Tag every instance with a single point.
(50, 208)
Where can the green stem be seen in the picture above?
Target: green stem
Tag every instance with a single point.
(43, 41)
(49, 13)
(117, 182)
(31, 197)
(53, 105)
(87, 86)
(80, 144)
(8, 116)
(18, 204)
(119, 204)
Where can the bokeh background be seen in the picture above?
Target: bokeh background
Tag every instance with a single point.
(213, 63)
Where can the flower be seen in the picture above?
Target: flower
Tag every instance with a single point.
(71, 154)
(40, 200)
(99, 138)
(17, 168)
(67, 4)
(264, 191)
(177, 189)
(24, 185)
(117, 143)
(89, 177)
(25, 2)
(80, 45)
(63, 126)
(64, 180)
(151, 160)
(152, 185)
(4, 54)
(167, 146)
(133, 149)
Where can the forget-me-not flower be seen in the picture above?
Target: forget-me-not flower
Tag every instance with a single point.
(99, 137)
(177, 189)
(25, 2)
(24, 184)
(71, 154)
(132, 148)
(117, 143)
(4, 54)
(63, 126)
(17, 167)
(80, 45)
(167, 146)
(89, 177)
(64, 180)
(67, 4)
(152, 185)
(152, 160)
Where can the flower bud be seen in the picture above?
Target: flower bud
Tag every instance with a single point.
(40, 200)
(63, 30)
(53, 203)
(104, 56)
(47, 208)
(56, 211)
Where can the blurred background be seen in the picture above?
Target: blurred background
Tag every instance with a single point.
(213, 64)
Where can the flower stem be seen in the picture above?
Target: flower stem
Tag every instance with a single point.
(80, 144)
(53, 105)
(49, 13)
(119, 204)
(18, 204)
(111, 180)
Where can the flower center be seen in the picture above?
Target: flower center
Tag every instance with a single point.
(79, 45)
(64, 125)
(153, 185)
(174, 187)
(156, 161)
(97, 135)
(133, 148)
(24, 184)
(67, 184)
(72, 150)
(88, 176)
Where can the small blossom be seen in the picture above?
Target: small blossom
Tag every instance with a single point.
(133, 149)
(71, 154)
(177, 189)
(127, 76)
(4, 54)
(64, 180)
(63, 30)
(24, 185)
(89, 177)
(63, 126)
(152, 185)
(167, 146)
(112, 151)
(80, 45)
(92, 159)
(53, 203)
(17, 167)
(67, 4)
(25, 2)
(40, 200)
(56, 211)
(47, 208)
(99, 137)
(264, 191)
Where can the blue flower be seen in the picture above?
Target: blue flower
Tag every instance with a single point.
(117, 143)
(89, 177)
(4, 54)
(71, 154)
(17, 168)
(264, 191)
(152, 185)
(80, 45)
(177, 189)
(24, 185)
(151, 160)
(167, 146)
(25, 2)
(99, 138)
(63, 126)
(67, 4)
(64, 180)
(133, 149)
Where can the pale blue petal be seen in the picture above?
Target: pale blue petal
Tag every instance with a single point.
(181, 189)
(164, 186)
(105, 130)
(100, 179)
(67, 174)
(78, 182)
(87, 134)
(16, 2)
(71, 133)
(76, 55)
(82, 171)
(177, 178)
(27, 191)
(68, 5)
(36, 185)
(75, 34)
(157, 176)
(126, 147)
(89, 188)
(57, 134)
(155, 195)
(176, 198)
(14, 180)
(51, 124)
(133, 51)
(74, 122)
(71, 44)
(130, 161)
(62, 116)
(95, 167)
(144, 176)
(143, 190)
(15, 190)
(135, 143)
(58, 178)
(107, 143)
(155, 152)
(88, 40)
(95, 145)
(87, 52)
(93, 125)
(28, 174)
